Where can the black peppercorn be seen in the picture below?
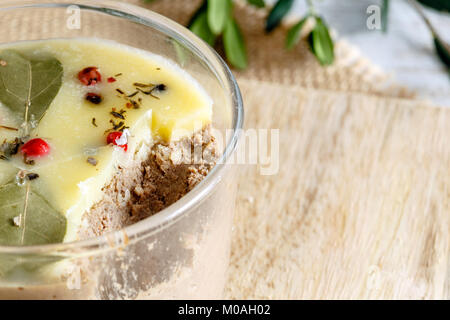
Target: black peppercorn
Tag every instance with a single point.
(94, 98)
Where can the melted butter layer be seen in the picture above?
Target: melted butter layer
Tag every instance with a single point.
(77, 129)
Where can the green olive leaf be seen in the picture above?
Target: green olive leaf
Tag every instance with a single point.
(441, 5)
(234, 45)
(321, 43)
(385, 15)
(294, 33)
(201, 29)
(199, 11)
(218, 14)
(257, 3)
(26, 218)
(28, 85)
(443, 50)
(277, 14)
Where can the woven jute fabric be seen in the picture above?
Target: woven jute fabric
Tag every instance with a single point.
(358, 207)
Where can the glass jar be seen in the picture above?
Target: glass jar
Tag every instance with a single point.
(181, 252)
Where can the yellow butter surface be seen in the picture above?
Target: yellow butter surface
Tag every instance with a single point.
(76, 129)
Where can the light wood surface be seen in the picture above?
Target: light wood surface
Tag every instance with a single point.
(360, 206)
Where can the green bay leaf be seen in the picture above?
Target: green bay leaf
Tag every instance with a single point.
(26, 218)
(24, 266)
(28, 84)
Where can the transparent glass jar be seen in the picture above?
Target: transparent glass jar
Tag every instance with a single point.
(181, 252)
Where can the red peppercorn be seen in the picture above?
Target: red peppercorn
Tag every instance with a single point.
(89, 76)
(35, 148)
(112, 139)
(111, 79)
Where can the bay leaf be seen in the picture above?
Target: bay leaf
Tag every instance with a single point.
(7, 172)
(20, 266)
(40, 224)
(28, 84)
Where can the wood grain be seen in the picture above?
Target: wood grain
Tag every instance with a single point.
(359, 207)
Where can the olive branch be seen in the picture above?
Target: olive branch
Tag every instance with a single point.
(214, 21)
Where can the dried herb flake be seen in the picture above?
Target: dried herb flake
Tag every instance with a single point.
(117, 115)
(143, 85)
(92, 161)
(9, 128)
(133, 94)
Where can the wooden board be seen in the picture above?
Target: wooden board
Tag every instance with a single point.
(359, 207)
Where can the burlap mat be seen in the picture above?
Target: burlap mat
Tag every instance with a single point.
(359, 207)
